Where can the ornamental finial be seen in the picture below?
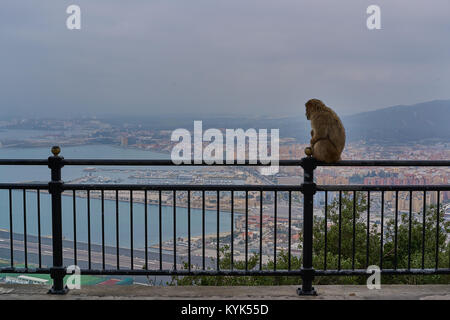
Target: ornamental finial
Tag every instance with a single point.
(56, 150)
(308, 151)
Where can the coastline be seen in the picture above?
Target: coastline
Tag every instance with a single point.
(96, 195)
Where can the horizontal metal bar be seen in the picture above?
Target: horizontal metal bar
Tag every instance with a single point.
(23, 162)
(343, 163)
(349, 272)
(185, 272)
(163, 162)
(168, 162)
(386, 163)
(28, 186)
(142, 272)
(186, 187)
(25, 270)
(199, 272)
(356, 187)
(182, 187)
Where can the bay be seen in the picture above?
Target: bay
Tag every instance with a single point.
(81, 216)
(10, 174)
(42, 173)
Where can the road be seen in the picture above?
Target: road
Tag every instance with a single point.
(110, 256)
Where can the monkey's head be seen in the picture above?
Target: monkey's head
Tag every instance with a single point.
(313, 106)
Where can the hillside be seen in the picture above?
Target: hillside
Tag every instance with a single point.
(428, 121)
(423, 122)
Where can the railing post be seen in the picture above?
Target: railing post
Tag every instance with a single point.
(308, 190)
(58, 271)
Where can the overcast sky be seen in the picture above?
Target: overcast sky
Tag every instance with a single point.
(227, 57)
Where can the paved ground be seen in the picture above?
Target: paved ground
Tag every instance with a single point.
(341, 292)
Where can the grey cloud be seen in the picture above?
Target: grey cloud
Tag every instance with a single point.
(252, 57)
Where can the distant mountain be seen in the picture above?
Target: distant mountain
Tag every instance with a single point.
(423, 122)
(427, 121)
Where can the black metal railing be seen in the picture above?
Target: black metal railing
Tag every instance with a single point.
(100, 258)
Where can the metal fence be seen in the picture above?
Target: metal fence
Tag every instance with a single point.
(94, 255)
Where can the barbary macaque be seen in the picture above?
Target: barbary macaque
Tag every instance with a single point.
(327, 134)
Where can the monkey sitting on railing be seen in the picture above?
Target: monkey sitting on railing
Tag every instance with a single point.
(327, 134)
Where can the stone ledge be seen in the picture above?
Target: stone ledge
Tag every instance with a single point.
(339, 292)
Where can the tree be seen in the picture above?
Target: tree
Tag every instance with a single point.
(353, 252)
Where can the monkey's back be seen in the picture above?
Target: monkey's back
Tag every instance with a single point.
(330, 148)
(336, 132)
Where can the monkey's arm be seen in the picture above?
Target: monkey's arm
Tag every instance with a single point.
(320, 131)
